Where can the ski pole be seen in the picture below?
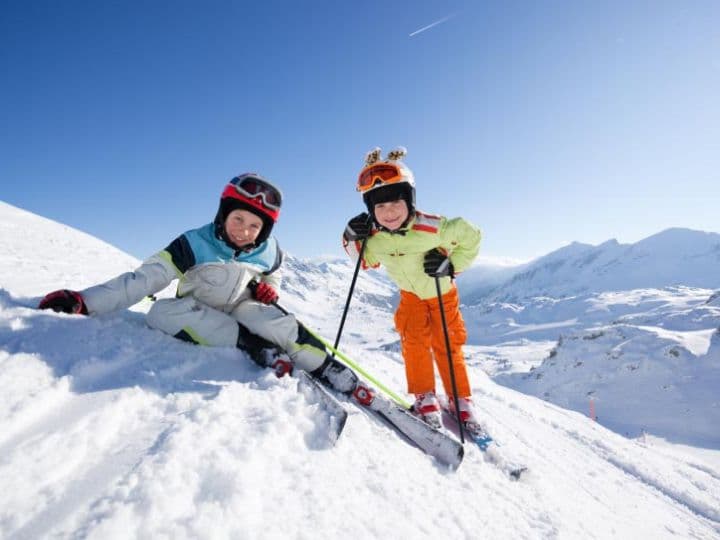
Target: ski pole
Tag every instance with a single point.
(456, 401)
(350, 292)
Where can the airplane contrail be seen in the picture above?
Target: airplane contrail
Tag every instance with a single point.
(440, 21)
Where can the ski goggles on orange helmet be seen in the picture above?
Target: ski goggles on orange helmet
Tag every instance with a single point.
(252, 187)
(378, 173)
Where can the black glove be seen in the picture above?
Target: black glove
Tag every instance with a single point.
(358, 228)
(65, 301)
(437, 264)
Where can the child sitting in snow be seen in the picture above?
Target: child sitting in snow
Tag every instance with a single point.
(227, 273)
(415, 248)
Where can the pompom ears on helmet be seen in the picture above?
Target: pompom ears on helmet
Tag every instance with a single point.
(397, 153)
(375, 155)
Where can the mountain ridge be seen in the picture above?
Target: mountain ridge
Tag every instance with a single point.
(676, 256)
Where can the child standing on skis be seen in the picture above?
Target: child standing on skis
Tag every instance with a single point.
(227, 281)
(416, 248)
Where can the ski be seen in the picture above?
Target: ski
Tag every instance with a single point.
(280, 363)
(482, 439)
(336, 413)
(434, 442)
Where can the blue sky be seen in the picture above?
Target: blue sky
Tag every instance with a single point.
(541, 122)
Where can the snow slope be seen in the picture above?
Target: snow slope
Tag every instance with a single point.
(111, 430)
(639, 377)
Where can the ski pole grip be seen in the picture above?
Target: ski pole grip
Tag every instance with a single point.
(443, 267)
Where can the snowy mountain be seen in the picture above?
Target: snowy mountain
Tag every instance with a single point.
(672, 257)
(111, 430)
(623, 331)
(656, 370)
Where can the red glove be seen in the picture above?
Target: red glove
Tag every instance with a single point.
(265, 293)
(65, 301)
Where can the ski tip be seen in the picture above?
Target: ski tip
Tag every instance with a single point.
(453, 461)
(339, 427)
(334, 413)
(452, 465)
(460, 456)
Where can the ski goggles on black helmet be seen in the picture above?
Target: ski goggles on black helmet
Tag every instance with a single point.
(252, 186)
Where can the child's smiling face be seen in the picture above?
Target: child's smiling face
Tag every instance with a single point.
(242, 227)
(391, 214)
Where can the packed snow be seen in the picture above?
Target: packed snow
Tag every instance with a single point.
(109, 429)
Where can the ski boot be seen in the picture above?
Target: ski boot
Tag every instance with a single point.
(427, 408)
(469, 421)
(336, 376)
(278, 361)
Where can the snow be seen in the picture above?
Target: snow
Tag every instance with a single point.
(651, 363)
(111, 430)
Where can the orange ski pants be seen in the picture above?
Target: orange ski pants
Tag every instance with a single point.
(419, 324)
